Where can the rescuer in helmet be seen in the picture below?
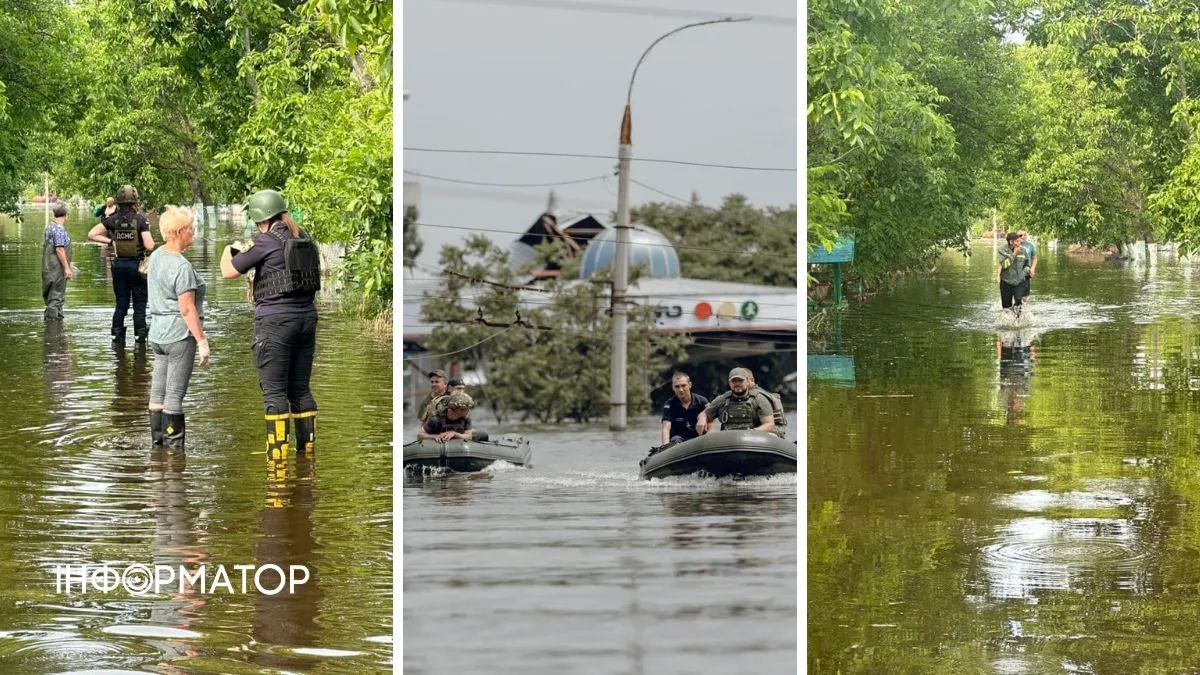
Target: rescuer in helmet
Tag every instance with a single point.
(128, 232)
(287, 275)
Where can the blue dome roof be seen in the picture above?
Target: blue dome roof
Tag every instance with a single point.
(646, 247)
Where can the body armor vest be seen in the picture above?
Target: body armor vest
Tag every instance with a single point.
(301, 273)
(738, 413)
(125, 236)
(776, 412)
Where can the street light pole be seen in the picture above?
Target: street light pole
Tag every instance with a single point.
(620, 311)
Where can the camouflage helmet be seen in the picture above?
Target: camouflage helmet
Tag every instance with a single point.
(264, 205)
(127, 194)
(460, 399)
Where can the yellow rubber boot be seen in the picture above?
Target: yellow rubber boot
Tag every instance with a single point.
(305, 426)
(277, 445)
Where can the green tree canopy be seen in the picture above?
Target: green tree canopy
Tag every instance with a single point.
(736, 242)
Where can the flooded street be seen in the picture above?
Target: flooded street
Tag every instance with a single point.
(1008, 500)
(82, 485)
(577, 566)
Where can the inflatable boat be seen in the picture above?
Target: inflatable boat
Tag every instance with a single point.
(459, 455)
(724, 453)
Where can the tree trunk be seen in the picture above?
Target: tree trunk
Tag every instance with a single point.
(251, 80)
(358, 69)
(193, 164)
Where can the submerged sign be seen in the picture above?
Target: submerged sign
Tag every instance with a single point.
(835, 367)
(843, 252)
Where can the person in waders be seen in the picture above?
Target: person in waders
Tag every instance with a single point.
(128, 232)
(287, 276)
(56, 264)
(1012, 274)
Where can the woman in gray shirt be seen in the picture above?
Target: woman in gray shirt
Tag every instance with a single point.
(176, 308)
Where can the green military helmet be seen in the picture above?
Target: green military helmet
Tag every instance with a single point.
(127, 194)
(265, 204)
(461, 400)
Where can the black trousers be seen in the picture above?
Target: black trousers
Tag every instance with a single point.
(129, 285)
(1011, 295)
(284, 346)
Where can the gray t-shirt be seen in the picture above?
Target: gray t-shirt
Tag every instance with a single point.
(169, 276)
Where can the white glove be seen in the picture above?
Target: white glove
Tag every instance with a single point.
(204, 351)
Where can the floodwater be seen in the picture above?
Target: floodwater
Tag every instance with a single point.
(82, 485)
(986, 500)
(577, 566)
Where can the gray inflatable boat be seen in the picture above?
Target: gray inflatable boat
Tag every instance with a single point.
(724, 453)
(459, 455)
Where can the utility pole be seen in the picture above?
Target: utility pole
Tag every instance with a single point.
(617, 409)
(995, 240)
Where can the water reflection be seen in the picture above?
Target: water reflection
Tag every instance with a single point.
(1074, 554)
(56, 362)
(1061, 539)
(287, 618)
(1017, 357)
(444, 486)
(177, 546)
(131, 380)
(721, 514)
(83, 485)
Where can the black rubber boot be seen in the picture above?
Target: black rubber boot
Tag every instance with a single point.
(305, 426)
(141, 336)
(277, 445)
(119, 336)
(173, 430)
(156, 427)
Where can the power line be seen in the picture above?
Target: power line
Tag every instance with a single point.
(613, 8)
(521, 185)
(476, 280)
(585, 156)
(654, 189)
(602, 177)
(459, 351)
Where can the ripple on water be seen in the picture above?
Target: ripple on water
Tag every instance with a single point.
(1046, 313)
(146, 630)
(578, 479)
(30, 646)
(1042, 500)
(102, 672)
(1035, 554)
(325, 652)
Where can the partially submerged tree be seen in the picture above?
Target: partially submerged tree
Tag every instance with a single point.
(546, 358)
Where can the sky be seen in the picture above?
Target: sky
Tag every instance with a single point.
(550, 76)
